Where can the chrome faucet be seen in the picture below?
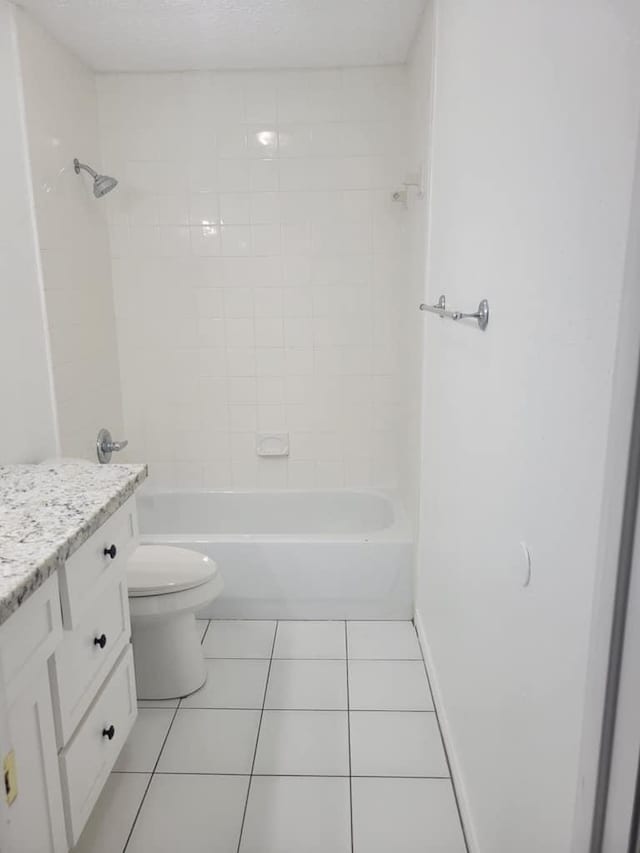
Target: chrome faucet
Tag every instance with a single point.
(105, 446)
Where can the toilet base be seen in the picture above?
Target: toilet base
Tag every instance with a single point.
(168, 657)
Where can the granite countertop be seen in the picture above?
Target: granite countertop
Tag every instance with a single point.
(47, 512)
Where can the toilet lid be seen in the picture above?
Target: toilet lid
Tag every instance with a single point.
(160, 569)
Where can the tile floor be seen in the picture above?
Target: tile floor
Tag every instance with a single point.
(308, 737)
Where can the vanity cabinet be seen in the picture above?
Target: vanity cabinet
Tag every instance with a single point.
(35, 818)
(68, 688)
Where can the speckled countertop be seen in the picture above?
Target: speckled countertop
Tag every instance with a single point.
(47, 512)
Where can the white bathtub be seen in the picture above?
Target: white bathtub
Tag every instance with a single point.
(293, 555)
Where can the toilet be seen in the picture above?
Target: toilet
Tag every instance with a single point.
(167, 586)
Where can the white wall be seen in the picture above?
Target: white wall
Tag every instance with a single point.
(62, 123)
(256, 261)
(536, 111)
(27, 428)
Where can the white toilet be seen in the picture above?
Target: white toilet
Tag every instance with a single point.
(167, 585)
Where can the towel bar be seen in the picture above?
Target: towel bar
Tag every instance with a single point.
(440, 308)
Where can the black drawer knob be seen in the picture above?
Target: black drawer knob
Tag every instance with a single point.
(109, 733)
(111, 552)
(100, 641)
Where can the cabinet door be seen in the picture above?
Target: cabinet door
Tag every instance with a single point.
(36, 816)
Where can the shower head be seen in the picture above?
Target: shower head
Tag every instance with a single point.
(102, 184)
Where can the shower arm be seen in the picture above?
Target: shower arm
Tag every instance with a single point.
(77, 165)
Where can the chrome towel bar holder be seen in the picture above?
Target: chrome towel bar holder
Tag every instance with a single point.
(440, 308)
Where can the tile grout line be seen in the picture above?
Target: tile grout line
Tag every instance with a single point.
(444, 746)
(346, 664)
(204, 637)
(296, 710)
(280, 775)
(355, 660)
(152, 774)
(255, 751)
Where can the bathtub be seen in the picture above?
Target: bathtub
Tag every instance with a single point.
(293, 555)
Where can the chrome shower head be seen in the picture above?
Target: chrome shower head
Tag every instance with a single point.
(102, 184)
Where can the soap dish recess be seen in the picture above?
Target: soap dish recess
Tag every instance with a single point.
(272, 444)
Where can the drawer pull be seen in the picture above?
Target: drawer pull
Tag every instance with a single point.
(111, 552)
(100, 641)
(109, 733)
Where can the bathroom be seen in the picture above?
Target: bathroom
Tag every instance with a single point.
(393, 541)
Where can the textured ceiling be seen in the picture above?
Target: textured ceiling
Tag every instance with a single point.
(171, 35)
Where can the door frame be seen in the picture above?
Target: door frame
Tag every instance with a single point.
(615, 553)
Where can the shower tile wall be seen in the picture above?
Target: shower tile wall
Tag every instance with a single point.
(256, 255)
(412, 323)
(62, 123)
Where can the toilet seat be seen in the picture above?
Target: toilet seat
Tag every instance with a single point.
(165, 569)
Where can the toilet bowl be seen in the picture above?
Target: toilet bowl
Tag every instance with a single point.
(167, 585)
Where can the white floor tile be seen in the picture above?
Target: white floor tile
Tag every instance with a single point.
(405, 815)
(312, 743)
(310, 640)
(210, 741)
(239, 639)
(194, 814)
(388, 685)
(382, 641)
(396, 743)
(114, 813)
(231, 684)
(307, 684)
(202, 625)
(294, 815)
(142, 747)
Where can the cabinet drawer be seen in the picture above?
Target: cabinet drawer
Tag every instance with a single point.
(87, 653)
(88, 759)
(107, 549)
(29, 637)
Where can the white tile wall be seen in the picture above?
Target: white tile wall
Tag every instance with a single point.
(256, 254)
(62, 123)
(412, 322)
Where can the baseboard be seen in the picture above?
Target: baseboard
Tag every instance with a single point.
(454, 763)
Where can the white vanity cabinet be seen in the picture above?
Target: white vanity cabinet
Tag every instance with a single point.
(67, 678)
(34, 820)
(92, 675)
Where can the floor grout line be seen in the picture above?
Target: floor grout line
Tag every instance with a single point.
(204, 636)
(277, 775)
(346, 651)
(297, 710)
(152, 774)
(255, 751)
(354, 660)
